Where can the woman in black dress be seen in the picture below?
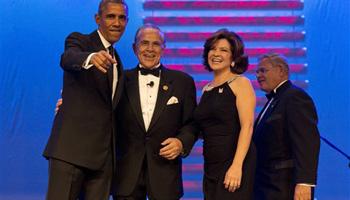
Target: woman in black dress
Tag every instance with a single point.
(225, 115)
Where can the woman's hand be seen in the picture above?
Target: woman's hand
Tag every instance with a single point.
(233, 178)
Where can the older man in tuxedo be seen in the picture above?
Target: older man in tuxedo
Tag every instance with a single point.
(155, 126)
(82, 142)
(286, 136)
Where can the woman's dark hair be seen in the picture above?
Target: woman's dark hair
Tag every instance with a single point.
(237, 50)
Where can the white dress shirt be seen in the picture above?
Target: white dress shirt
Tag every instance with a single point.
(148, 89)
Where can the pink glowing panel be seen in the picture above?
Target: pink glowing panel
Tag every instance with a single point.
(223, 5)
(247, 21)
(294, 68)
(193, 185)
(246, 36)
(196, 52)
(199, 68)
(189, 168)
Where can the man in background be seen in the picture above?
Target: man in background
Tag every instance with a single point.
(286, 136)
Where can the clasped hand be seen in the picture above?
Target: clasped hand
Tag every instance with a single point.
(172, 147)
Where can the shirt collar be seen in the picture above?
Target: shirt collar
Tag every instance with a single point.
(105, 43)
(281, 83)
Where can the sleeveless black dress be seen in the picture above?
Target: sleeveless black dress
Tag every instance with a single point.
(218, 119)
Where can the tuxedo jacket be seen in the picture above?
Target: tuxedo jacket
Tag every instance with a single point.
(287, 142)
(135, 145)
(83, 129)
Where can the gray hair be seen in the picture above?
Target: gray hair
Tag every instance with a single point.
(148, 25)
(276, 60)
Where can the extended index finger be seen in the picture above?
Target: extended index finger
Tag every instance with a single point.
(108, 57)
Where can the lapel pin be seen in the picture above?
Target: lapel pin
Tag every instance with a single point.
(221, 90)
(165, 87)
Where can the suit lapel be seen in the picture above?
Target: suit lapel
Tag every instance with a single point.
(257, 119)
(132, 90)
(164, 92)
(276, 100)
(96, 41)
(258, 126)
(270, 109)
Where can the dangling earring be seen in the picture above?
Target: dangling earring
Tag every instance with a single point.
(232, 64)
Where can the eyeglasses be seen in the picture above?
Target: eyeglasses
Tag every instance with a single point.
(262, 70)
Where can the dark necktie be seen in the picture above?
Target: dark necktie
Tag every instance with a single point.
(110, 69)
(111, 51)
(154, 72)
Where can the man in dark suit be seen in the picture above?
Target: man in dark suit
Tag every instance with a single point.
(82, 142)
(155, 126)
(286, 136)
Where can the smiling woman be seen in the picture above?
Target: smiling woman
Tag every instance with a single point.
(226, 114)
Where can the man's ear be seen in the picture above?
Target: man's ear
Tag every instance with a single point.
(127, 20)
(134, 47)
(282, 71)
(97, 19)
(163, 48)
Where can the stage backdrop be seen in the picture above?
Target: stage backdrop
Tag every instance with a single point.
(32, 36)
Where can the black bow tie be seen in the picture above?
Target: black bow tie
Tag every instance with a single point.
(154, 72)
(270, 95)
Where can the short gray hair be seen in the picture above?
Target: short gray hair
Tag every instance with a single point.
(276, 60)
(148, 25)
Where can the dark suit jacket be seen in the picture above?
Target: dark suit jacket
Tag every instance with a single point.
(136, 145)
(82, 132)
(287, 142)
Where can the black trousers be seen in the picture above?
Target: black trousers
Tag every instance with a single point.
(71, 182)
(142, 188)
